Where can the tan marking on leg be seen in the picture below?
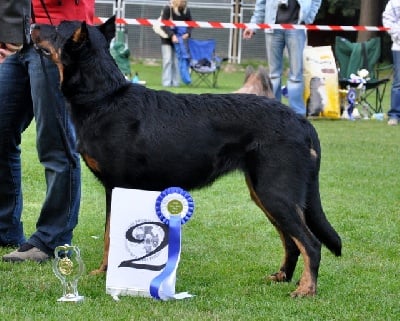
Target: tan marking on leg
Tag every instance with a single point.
(104, 263)
(255, 198)
(307, 284)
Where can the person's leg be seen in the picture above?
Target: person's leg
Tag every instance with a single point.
(167, 62)
(176, 77)
(56, 150)
(295, 42)
(394, 111)
(15, 116)
(275, 44)
(57, 153)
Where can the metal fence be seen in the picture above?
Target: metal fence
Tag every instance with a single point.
(144, 43)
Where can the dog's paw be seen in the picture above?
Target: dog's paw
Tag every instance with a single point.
(304, 291)
(102, 269)
(277, 277)
(97, 272)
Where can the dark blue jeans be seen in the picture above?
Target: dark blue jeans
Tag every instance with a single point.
(26, 92)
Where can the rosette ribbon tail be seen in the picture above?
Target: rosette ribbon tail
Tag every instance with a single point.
(166, 279)
(174, 207)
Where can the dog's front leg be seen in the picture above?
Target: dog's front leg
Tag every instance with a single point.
(104, 263)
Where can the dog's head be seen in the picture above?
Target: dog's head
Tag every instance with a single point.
(257, 82)
(72, 42)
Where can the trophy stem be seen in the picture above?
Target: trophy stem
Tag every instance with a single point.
(70, 292)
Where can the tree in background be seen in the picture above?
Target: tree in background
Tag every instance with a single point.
(370, 15)
(363, 13)
(356, 12)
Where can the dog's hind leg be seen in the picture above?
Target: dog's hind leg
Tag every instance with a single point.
(104, 263)
(292, 252)
(287, 217)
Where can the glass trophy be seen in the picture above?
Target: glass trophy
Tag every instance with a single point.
(68, 267)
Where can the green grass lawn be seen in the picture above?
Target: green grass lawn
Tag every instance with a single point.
(229, 247)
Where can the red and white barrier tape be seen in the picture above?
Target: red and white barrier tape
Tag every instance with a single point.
(229, 25)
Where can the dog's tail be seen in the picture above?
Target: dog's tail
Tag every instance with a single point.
(315, 216)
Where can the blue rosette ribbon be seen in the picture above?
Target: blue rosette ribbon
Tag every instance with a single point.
(351, 99)
(174, 207)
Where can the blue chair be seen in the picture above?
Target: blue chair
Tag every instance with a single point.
(204, 64)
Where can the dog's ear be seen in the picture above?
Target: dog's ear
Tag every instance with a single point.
(248, 73)
(249, 70)
(81, 34)
(262, 70)
(266, 81)
(108, 29)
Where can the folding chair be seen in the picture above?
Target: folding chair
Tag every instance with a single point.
(119, 45)
(120, 51)
(204, 64)
(352, 57)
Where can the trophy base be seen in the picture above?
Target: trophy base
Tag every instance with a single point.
(71, 298)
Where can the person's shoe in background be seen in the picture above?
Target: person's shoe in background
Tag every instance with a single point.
(26, 252)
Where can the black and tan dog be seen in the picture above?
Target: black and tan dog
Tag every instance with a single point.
(134, 137)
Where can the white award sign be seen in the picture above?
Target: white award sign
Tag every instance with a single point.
(145, 240)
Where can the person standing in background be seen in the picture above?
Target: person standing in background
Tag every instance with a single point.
(285, 12)
(391, 19)
(177, 10)
(30, 88)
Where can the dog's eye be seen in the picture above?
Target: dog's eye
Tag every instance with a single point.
(42, 50)
(45, 51)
